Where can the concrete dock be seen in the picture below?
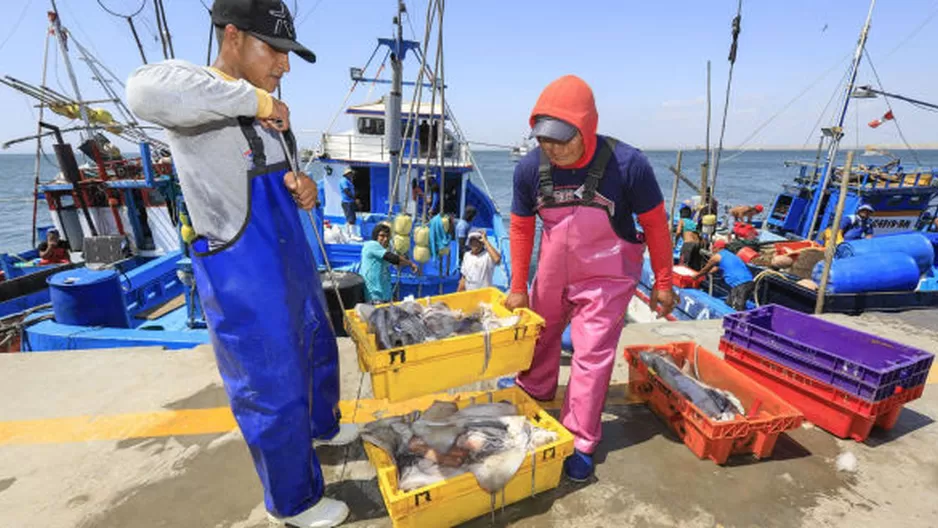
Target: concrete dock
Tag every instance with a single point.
(142, 438)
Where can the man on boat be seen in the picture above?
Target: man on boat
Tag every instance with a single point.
(736, 274)
(53, 250)
(462, 228)
(687, 231)
(478, 265)
(585, 188)
(255, 272)
(860, 225)
(376, 265)
(349, 202)
(744, 213)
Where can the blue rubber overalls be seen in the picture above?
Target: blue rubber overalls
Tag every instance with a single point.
(275, 346)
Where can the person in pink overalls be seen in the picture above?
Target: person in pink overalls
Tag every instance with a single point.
(585, 188)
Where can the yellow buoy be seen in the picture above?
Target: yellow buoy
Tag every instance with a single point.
(402, 224)
(100, 116)
(709, 220)
(188, 234)
(421, 254)
(422, 236)
(401, 244)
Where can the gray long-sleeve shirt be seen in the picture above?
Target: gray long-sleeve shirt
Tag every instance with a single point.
(199, 110)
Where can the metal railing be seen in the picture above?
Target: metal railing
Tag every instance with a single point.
(374, 149)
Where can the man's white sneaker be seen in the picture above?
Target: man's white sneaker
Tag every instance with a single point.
(325, 514)
(347, 434)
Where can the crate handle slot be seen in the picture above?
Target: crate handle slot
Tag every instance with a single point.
(394, 354)
(552, 452)
(426, 498)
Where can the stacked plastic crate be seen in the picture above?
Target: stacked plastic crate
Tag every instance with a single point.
(410, 378)
(843, 380)
(767, 415)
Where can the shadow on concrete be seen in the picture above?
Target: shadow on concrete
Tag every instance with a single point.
(6, 483)
(212, 487)
(362, 496)
(633, 425)
(909, 422)
(540, 504)
(339, 455)
(786, 448)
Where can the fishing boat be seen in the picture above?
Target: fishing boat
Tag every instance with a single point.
(905, 200)
(133, 283)
(520, 149)
(410, 161)
(120, 214)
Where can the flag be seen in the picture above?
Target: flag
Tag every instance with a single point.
(875, 123)
(888, 115)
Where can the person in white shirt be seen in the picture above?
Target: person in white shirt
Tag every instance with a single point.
(478, 264)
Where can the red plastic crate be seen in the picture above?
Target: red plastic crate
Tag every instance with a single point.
(707, 438)
(834, 410)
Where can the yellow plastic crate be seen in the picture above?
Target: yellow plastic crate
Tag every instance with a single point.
(460, 499)
(399, 374)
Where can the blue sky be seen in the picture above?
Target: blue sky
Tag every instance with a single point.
(646, 61)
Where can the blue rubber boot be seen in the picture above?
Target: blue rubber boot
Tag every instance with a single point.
(578, 467)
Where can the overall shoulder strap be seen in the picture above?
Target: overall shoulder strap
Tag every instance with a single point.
(545, 180)
(254, 141)
(598, 168)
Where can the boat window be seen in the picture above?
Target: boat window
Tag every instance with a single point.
(916, 201)
(371, 126)
(895, 200)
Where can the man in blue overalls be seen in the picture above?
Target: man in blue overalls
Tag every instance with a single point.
(860, 225)
(266, 311)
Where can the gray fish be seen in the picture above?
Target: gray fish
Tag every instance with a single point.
(709, 400)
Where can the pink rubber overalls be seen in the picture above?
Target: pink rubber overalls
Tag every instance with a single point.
(586, 275)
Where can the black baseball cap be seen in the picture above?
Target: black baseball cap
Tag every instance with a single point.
(267, 20)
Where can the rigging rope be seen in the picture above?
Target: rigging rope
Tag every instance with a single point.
(820, 116)
(143, 4)
(741, 147)
(412, 116)
(914, 32)
(888, 105)
(705, 195)
(426, 178)
(306, 15)
(16, 25)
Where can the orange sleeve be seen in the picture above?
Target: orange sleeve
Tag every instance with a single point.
(658, 237)
(521, 234)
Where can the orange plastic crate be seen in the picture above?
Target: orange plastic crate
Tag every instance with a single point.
(784, 248)
(755, 434)
(837, 412)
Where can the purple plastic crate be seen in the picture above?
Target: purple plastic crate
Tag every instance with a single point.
(857, 362)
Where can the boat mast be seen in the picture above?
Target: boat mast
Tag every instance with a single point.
(60, 36)
(392, 110)
(42, 107)
(837, 131)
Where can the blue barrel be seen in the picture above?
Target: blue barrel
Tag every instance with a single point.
(915, 245)
(876, 272)
(84, 297)
(933, 238)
